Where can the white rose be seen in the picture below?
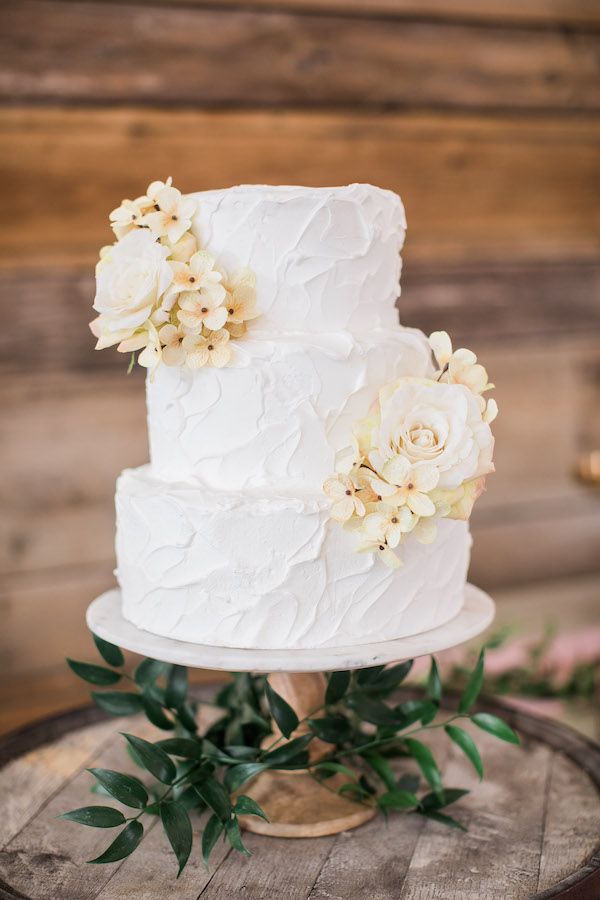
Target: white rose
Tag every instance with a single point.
(434, 424)
(130, 281)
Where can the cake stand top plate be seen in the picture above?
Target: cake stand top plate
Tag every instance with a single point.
(105, 619)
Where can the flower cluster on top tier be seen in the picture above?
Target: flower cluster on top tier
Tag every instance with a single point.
(157, 292)
(423, 453)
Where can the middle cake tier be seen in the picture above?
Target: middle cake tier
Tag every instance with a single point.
(279, 413)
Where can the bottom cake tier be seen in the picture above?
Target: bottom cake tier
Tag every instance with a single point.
(251, 571)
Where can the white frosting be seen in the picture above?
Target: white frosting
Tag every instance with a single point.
(270, 571)
(325, 259)
(279, 413)
(226, 538)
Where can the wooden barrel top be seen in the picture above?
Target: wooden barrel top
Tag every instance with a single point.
(534, 829)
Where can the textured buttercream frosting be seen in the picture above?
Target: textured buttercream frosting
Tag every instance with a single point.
(279, 413)
(271, 571)
(226, 538)
(325, 259)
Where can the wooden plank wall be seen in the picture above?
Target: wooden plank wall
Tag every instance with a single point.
(483, 116)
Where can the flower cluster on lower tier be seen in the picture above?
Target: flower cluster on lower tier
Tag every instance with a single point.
(160, 294)
(422, 454)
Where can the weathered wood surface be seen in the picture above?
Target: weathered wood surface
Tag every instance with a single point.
(215, 57)
(549, 12)
(534, 823)
(477, 189)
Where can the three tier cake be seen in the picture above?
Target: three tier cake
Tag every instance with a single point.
(228, 536)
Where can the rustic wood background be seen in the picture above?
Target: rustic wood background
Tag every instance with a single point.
(484, 117)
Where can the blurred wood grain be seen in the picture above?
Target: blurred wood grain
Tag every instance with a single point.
(263, 57)
(483, 116)
(535, 12)
(476, 189)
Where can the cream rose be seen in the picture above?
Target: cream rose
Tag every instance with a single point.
(433, 424)
(130, 281)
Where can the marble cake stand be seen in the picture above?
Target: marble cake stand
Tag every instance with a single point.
(296, 804)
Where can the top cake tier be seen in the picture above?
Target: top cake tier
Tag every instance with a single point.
(325, 259)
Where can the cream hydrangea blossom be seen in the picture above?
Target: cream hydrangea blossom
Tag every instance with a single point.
(128, 216)
(423, 453)
(344, 494)
(211, 349)
(156, 287)
(172, 213)
(171, 337)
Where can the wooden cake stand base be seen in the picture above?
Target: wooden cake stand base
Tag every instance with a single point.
(297, 805)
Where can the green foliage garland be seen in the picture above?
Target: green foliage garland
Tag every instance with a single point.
(192, 772)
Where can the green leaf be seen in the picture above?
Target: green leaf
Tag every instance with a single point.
(178, 828)
(467, 745)
(212, 831)
(434, 684)
(353, 787)
(155, 713)
(177, 687)
(334, 767)
(93, 674)
(442, 818)
(443, 798)
(215, 753)
(235, 836)
(95, 816)
(337, 686)
(186, 717)
(366, 676)
(412, 711)
(109, 652)
(331, 729)
(184, 747)
(125, 788)
(123, 845)
(427, 764)
(246, 806)
(473, 687)
(118, 703)
(397, 799)
(238, 751)
(148, 671)
(239, 775)
(494, 725)
(381, 766)
(390, 678)
(370, 710)
(282, 712)
(153, 758)
(97, 788)
(288, 752)
(214, 795)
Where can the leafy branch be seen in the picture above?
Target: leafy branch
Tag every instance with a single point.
(368, 733)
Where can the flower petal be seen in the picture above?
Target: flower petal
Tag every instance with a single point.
(197, 358)
(440, 343)
(220, 356)
(425, 477)
(420, 504)
(216, 319)
(389, 558)
(396, 470)
(343, 509)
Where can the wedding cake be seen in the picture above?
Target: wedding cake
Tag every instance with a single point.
(313, 463)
